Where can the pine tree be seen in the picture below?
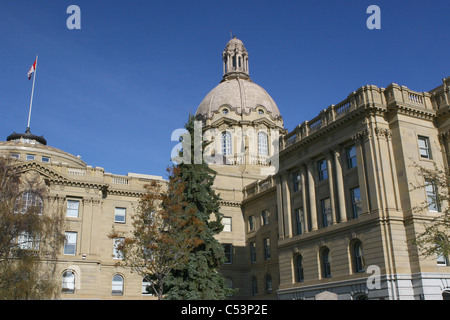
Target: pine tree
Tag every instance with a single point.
(200, 278)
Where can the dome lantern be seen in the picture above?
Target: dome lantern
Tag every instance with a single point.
(235, 60)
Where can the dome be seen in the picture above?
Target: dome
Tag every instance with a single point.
(241, 96)
(236, 90)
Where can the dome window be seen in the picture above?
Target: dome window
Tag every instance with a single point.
(225, 111)
(260, 111)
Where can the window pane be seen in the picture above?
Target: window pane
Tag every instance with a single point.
(326, 212)
(119, 215)
(72, 208)
(226, 221)
(71, 243)
(356, 202)
(262, 143)
(68, 282)
(117, 285)
(117, 254)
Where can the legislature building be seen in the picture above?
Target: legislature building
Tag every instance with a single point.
(323, 211)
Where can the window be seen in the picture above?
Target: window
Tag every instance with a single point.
(424, 147)
(251, 223)
(226, 221)
(265, 217)
(441, 257)
(299, 268)
(117, 253)
(431, 191)
(442, 260)
(323, 170)
(26, 241)
(358, 257)
(326, 265)
(30, 157)
(262, 144)
(297, 180)
(266, 242)
(70, 245)
(45, 159)
(15, 155)
(146, 287)
(225, 111)
(73, 207)
(260, 111)
(253, 252)
(226, 143)
(68, 282)
(268, 284)
(299, 220)
(351, 157)
(356, 202)
(117, 285)
(29, 202)
(254, 286)
(119, 215)
(326, 212)
(228, 249)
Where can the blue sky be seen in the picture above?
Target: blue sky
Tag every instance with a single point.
(115, 90)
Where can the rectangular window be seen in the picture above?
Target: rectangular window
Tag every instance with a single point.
(297, 181)
(45, 159)
(356, 202)
(351, 157)
(424, 147)
(73, 207)
(15, 155)
(226, 221)
(120, 214)
(326, 211)
(251, 223)
(253, 252)
(228, 248)
(117, 254)
(265, 217)
(299, 220)
(70, 245)
(431, 190)
(30, 157)
(266, 248)
(323, 170)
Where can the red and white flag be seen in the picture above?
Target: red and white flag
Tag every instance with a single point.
(32, 69)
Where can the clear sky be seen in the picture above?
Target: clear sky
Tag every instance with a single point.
(115, 90)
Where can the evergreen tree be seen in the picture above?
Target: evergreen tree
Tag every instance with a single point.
(200, 278)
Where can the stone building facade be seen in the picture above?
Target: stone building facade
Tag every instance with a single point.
(324, 210)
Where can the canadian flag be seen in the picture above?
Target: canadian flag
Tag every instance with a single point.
(32, 69)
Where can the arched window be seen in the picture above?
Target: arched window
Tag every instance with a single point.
(269, 284)
(299, 268)
(254, 286)
(29, 201)
(262, 144)
(117, 285)
(358, 257)
(225, 142)
(326, 264)
(68, 282)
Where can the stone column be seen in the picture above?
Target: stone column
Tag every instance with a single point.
(279, 206)
(312, 195)
(331, 187)
(287, 214)
(365, 200)
(340, 185)
(304, 197)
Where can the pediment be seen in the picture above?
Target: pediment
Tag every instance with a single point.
(45, 171)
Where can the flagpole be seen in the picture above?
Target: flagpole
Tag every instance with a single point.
(32, 92)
